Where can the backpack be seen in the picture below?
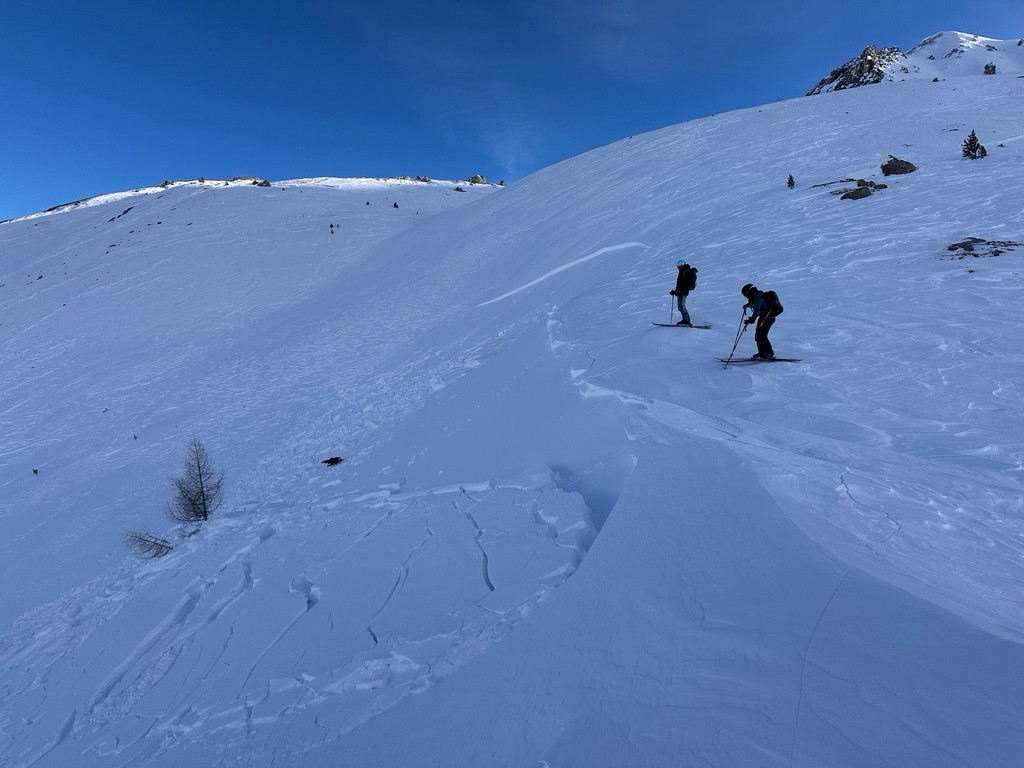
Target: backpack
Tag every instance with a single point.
(690, 279)
(771, 299)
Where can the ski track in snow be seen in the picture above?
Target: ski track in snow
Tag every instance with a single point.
(397, 661)
(827, 445)
(167, 664)
(570, 265)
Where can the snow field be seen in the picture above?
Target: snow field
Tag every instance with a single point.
(560, 535)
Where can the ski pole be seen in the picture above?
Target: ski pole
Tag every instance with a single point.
(739, 333)
(671, 310)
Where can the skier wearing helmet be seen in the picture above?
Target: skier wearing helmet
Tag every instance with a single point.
(764, 308)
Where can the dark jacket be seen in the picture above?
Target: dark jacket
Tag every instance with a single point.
(685, 281)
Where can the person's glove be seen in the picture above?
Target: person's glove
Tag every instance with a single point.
(672, 292)
(749, 320)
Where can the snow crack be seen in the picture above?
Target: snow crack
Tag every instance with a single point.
(806, 655)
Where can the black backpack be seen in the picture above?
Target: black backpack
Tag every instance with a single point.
(690, 279)
(771, 298)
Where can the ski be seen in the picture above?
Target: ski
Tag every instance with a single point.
(676, 325)
(747, 360)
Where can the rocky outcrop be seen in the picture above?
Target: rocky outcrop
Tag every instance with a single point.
(979, 246)
(864, 188)
(857, 193)
(894, 166)
(866, 69)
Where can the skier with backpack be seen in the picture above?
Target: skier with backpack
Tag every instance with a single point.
(764, 307)
(686, 281)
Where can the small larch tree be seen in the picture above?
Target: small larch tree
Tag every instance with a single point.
(147, 545)
(199, 489)
(973, 148)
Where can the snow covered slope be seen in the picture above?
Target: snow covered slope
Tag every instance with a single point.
(956, 54)
(560, 535)
(944, 55)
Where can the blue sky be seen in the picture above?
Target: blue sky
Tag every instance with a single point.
(104, 97)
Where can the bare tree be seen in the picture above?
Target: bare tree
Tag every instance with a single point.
(199, 488)
(147, 545)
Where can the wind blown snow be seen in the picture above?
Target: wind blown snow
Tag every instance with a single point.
(560, 535)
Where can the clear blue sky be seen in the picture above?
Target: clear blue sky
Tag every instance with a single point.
(104, 97)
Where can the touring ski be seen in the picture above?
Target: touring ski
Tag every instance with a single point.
(677, 325)
(747, 360)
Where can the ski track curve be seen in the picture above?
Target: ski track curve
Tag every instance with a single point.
(165, 664)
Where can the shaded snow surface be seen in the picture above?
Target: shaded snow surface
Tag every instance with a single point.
(560, 536)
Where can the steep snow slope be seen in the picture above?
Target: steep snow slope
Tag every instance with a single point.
(561, 535)
(116, 310)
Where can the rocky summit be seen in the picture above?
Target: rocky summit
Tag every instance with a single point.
(868, 68)
(940, 56)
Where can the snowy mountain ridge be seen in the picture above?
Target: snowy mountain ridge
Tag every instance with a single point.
(365, 184)
(560, 535)
(946, 54)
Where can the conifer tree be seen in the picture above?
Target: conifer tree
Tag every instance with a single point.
(790, 182)
(973, 148)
